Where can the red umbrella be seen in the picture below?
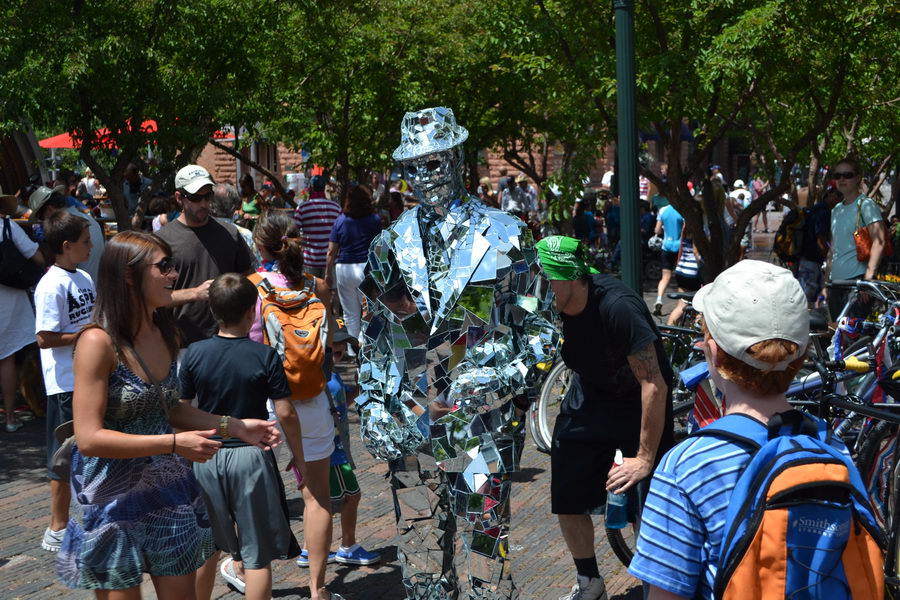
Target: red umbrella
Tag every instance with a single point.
(65, 140)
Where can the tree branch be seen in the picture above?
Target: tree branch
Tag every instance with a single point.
(276, 181)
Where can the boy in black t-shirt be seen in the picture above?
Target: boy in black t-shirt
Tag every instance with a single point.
(233, 376)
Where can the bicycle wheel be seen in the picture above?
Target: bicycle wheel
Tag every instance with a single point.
(623, 542)
(681, 414)
(552, 393)
(875, 461)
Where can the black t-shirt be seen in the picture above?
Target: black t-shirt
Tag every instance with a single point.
(818, 222)
(604, 401)
(234, 377)
(202, 253)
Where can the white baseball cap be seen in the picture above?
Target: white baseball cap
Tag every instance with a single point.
(739, 183)
(752, 302)
(191, 178)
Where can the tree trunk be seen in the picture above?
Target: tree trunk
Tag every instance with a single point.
(471, 160)
(276, 181)
(112, 181)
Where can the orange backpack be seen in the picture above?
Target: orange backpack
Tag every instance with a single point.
(294, 324)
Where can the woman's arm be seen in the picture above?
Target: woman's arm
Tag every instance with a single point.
(876, 231)
(255, 432)
(287, 416)
(324, 294)
(333, 249)
(94, 361)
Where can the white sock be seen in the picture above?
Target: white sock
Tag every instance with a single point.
(350, 549)
(659, 299)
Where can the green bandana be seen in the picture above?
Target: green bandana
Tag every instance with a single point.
(564, 258)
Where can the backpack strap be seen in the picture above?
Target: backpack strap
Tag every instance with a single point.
(748, 431)
(736, 427)
(794, 422)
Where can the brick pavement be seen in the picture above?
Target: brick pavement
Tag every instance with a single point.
(542, 566)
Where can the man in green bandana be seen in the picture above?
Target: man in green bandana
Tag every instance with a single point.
(618, 400)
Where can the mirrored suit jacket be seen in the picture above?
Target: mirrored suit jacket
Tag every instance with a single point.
(460, 317)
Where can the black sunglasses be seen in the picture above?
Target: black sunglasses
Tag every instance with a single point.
(843, 175)
(199, 197)
(165, 266)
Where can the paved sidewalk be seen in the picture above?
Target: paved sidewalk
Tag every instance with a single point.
(542, 566)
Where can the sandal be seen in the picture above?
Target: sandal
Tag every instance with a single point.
(226, 569)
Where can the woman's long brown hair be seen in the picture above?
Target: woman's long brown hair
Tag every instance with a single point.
(120, 303)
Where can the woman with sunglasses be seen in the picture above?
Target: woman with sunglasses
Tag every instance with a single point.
(137, 504)
(857, 210)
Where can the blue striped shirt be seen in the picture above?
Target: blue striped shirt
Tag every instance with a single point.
(684, 517)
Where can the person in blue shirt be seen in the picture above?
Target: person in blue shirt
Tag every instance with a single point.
(669, 224)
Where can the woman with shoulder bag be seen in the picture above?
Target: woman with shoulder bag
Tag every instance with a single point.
(856, 218)
(16, 314)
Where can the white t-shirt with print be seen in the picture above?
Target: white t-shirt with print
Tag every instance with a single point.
(63, 302)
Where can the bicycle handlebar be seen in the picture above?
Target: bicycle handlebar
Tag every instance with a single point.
(851, 363)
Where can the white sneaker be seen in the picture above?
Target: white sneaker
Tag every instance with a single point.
(587, 588)
(226, 569)
(52, 541)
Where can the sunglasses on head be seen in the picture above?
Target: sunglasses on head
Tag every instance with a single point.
(843, 175)
(165, 266)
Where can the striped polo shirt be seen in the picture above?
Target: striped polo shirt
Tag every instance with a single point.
(683, 521)
(314, 219)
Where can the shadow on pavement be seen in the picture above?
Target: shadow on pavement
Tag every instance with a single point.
(24, 453)
(635, 593)
(525, 475)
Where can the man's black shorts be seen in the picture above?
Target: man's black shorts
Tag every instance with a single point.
(669, 259)
(578, 476)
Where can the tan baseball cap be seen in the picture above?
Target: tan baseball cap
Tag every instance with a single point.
(191, 178)
(752, 302)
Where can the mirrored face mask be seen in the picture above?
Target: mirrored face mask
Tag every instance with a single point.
(433, 177)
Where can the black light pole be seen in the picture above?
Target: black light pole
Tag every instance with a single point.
(626, 145)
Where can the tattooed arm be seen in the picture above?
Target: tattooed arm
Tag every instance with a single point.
(645, 366)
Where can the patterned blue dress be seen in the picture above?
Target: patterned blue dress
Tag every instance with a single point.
(134, 515)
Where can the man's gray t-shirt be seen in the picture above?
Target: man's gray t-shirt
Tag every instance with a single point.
(202, 253)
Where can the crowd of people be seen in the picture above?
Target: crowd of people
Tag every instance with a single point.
(172, 355)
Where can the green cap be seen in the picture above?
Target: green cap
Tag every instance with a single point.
(564, 258)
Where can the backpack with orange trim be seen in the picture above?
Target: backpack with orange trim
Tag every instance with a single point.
(294, 324)
(799, 523)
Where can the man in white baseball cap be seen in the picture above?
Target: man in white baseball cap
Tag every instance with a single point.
(192, 178)
(202, 249)
(756, 329)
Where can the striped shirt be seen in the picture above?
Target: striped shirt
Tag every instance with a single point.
(314, 219)
(683, 521)
(687, 261)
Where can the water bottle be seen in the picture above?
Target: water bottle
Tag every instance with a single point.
(617, 504)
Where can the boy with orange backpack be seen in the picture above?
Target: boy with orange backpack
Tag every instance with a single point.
(764, 502)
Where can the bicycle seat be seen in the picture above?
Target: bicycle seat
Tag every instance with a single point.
(681, 295)
(817, 322)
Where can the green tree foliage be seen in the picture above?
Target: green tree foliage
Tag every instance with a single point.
(83, 66)
(781, 71)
